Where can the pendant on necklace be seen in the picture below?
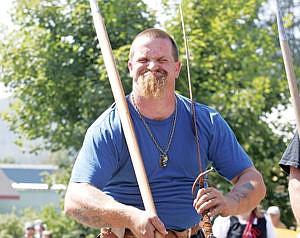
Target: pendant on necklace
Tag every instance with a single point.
(163, 161)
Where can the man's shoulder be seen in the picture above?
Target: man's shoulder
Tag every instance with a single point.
(107, 122)
(202, 109)
(109, 115)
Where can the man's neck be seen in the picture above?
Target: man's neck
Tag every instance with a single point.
(155, 108)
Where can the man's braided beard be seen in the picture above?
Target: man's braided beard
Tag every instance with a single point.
(151, 85)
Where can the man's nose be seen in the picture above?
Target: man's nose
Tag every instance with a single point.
(153, 64)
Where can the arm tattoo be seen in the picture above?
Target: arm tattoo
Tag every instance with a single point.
(241, 192)
(94, 221)
(88, 214)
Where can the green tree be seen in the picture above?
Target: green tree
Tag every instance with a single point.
(10, 226)
(53, 65)
(235, 68)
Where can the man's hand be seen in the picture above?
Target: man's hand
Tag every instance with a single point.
(213, 201)
(247, 192)
(144, 225)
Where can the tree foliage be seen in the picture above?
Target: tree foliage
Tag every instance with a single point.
(10, 226)
(53, 65)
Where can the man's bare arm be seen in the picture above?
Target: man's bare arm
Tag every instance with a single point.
(247, 192)
(249, 189)
(92, 207)
(294, 191)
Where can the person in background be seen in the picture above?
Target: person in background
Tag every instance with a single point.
(39, 227)
(274, 213)
(251, 224)
(290, 163)
(29, 230)
(103, 190)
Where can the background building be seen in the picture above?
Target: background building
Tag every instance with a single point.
(22, 186)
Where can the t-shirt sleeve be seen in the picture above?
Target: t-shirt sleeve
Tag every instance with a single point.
(97, 158)
(291, 156)
(227, 155)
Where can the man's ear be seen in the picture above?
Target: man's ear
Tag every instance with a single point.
(129, 65)
(178, 67)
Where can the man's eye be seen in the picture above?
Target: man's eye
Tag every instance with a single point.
(161, 61)
(142, 61)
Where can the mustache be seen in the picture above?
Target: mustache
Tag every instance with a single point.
(154, 73)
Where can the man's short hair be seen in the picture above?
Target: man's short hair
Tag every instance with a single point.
(156, 33)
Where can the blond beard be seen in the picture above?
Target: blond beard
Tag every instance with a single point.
(151, 86)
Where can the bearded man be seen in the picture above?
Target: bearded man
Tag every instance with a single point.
(103, 190)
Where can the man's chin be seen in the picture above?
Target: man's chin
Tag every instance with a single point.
(151, 86)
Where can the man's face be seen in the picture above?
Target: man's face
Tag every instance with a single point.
(152, 66)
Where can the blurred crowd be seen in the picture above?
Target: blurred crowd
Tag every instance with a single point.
(36, 229)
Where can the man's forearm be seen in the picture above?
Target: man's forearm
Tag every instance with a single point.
(294, 191)
(248, 191)
(92, 207)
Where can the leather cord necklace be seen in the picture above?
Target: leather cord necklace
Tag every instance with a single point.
(163, 160)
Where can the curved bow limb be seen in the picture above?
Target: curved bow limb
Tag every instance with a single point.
(288, 63)
(207, 225)
(120, 99)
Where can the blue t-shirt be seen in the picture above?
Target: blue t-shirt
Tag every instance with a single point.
(104, 159)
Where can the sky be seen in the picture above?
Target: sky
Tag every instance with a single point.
(5, 4)
(4, 19)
